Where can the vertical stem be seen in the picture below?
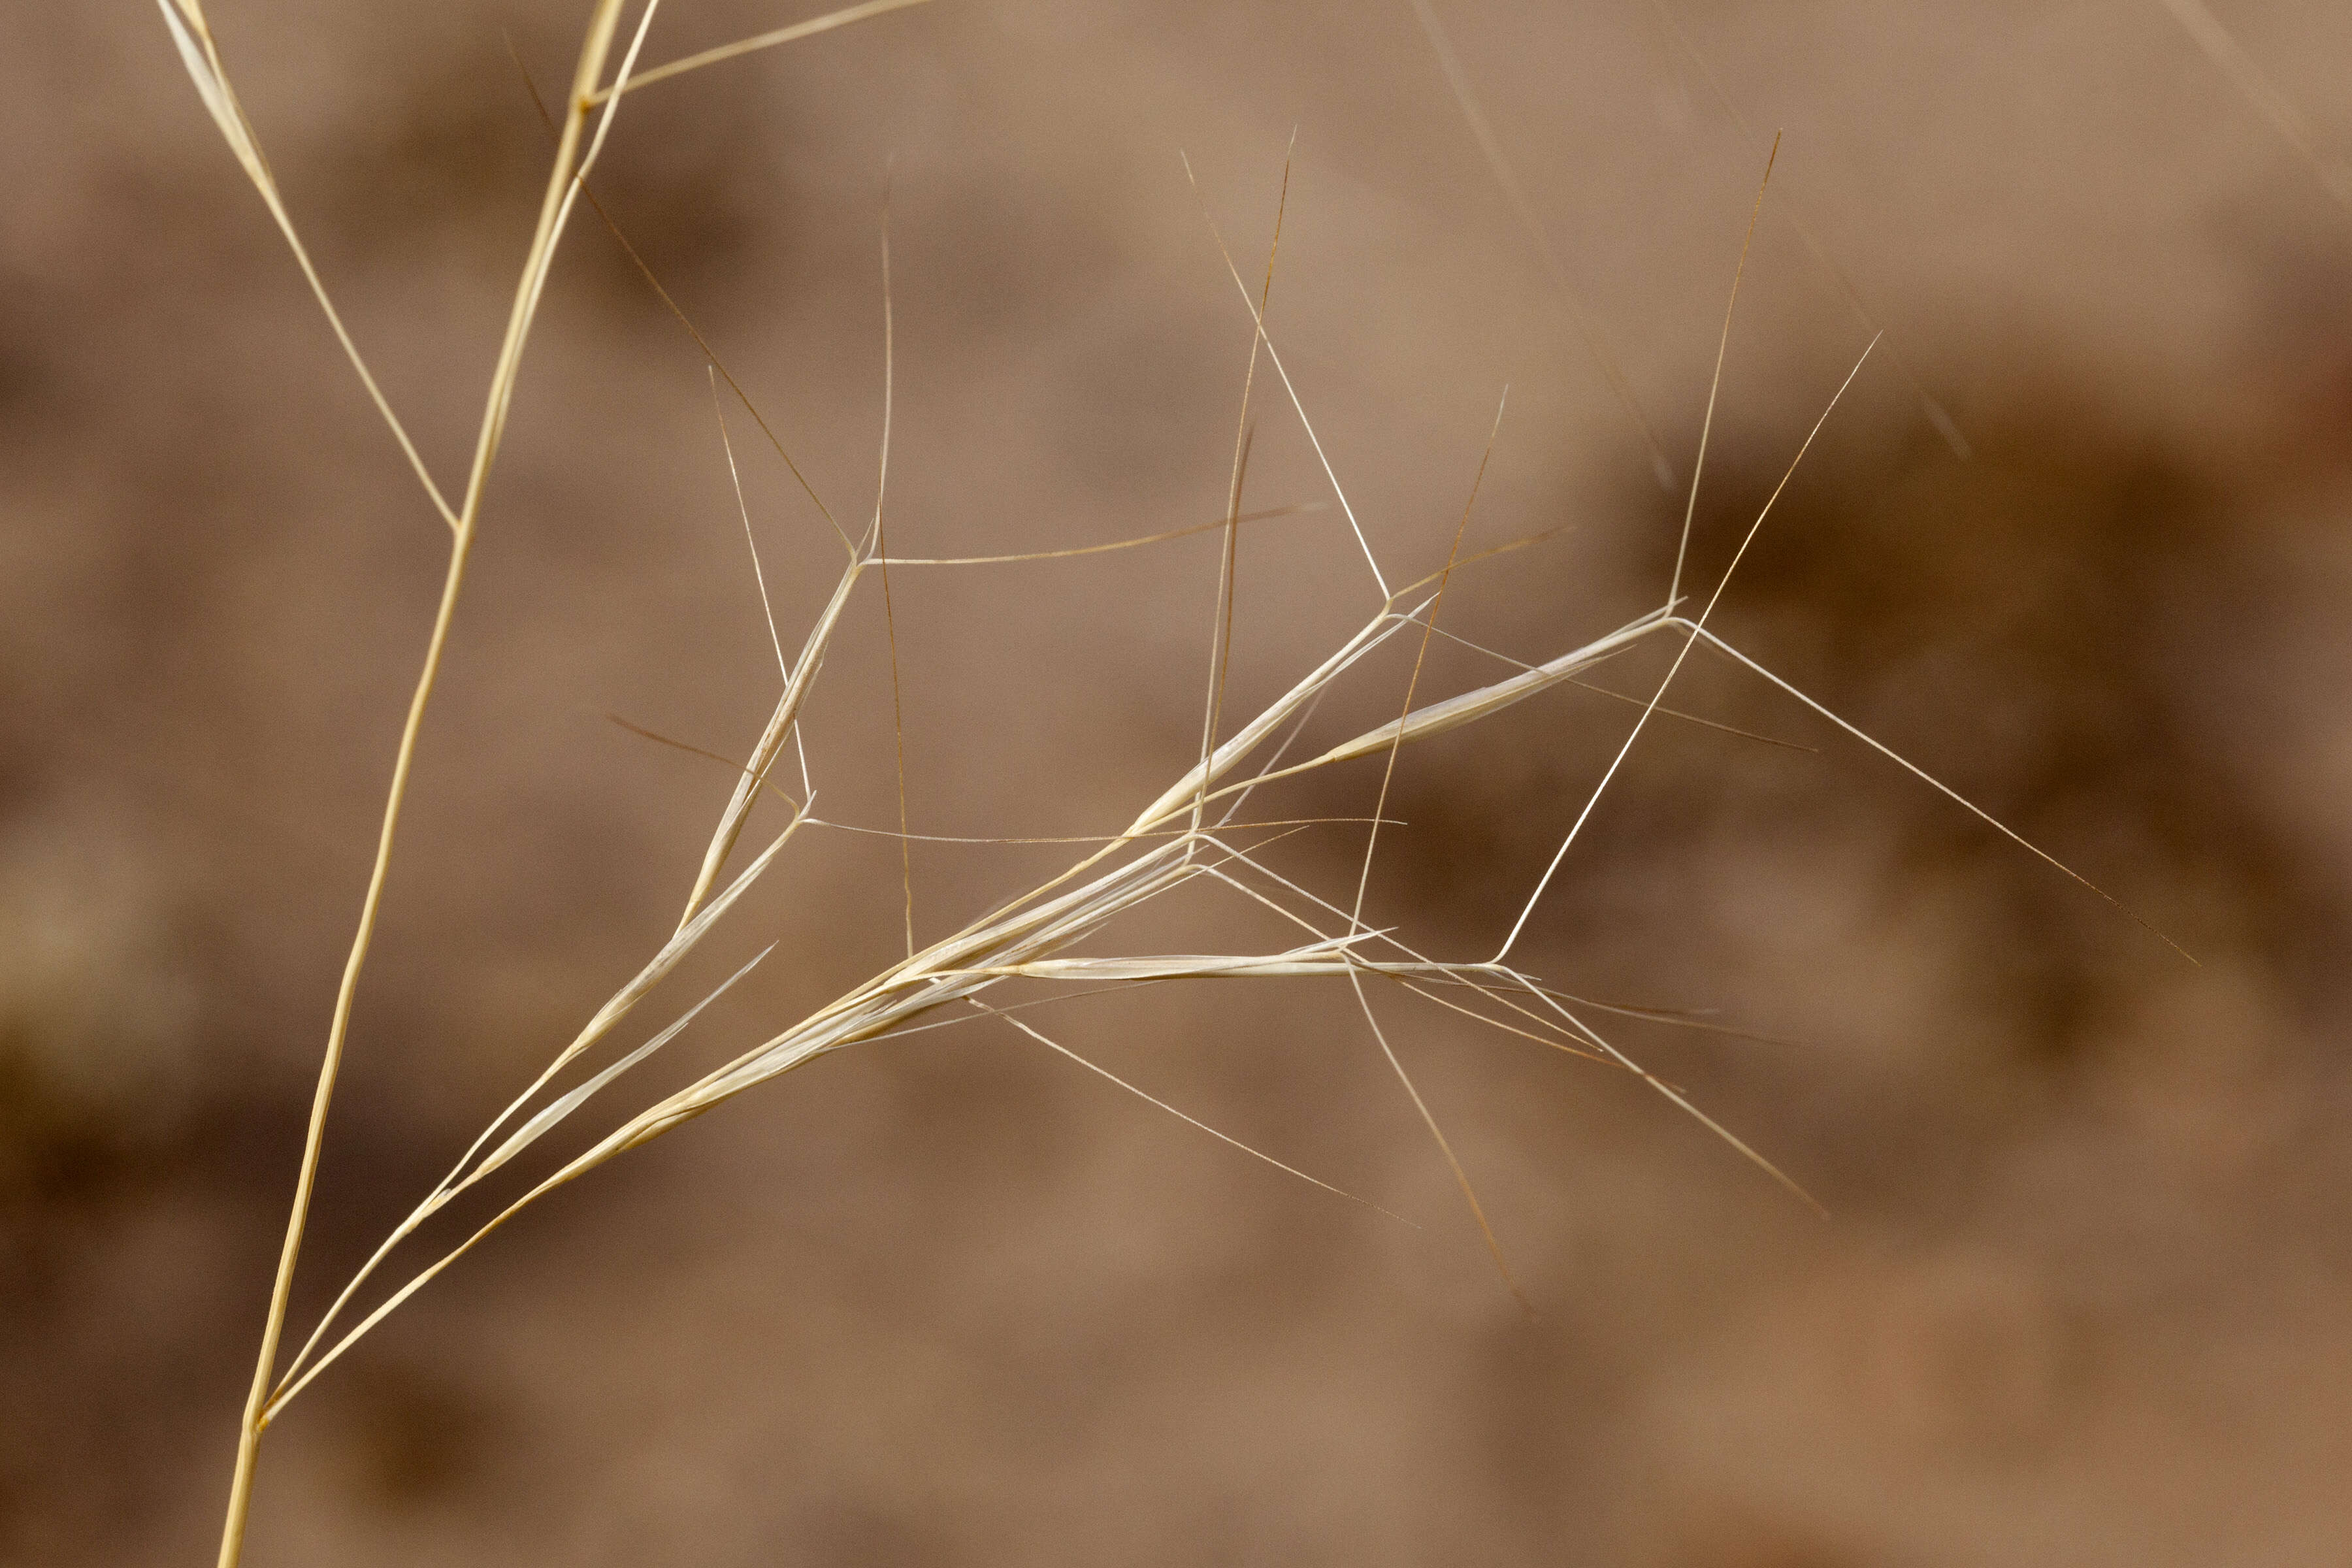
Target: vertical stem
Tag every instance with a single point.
(595, 49)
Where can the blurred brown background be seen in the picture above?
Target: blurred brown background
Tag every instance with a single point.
(952, 1299)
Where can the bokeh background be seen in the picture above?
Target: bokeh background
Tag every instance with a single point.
(2082, 1296)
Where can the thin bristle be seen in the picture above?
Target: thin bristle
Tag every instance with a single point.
(1150, 1099)
(881, 556)
(1507, 179)
(1675, 667)
(1931, 407)
(757, 41)
(1714, 385)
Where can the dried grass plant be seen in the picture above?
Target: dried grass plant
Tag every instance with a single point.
(1194, 834)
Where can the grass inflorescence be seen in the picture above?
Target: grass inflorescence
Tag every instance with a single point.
(1196, 833)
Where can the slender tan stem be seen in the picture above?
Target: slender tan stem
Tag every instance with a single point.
(594, 50)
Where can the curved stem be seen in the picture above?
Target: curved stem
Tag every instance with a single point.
(594, 49)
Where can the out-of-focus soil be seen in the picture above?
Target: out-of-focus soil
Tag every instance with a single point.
(2082, 1295)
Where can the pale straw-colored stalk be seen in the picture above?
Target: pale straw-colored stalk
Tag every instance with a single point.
(200, 53)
